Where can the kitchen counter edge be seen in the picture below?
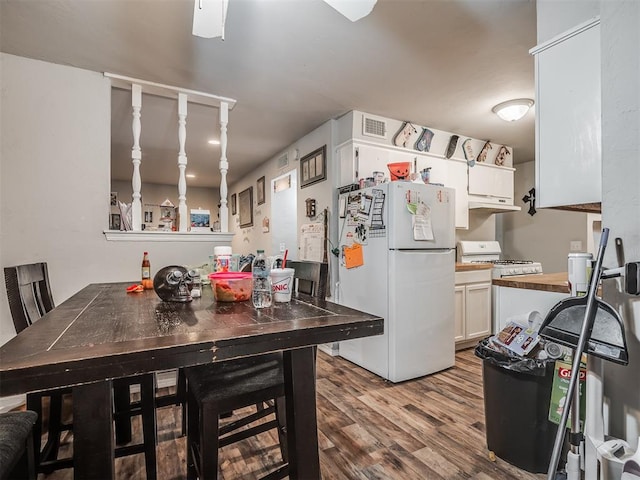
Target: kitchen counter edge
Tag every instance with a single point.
(469, 267)
(547, 282)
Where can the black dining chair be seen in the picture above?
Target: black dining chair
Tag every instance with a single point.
(29, 296)
(310, 277)
(17, 457)
(215, 389)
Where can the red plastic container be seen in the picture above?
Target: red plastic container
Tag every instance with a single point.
(231, 286)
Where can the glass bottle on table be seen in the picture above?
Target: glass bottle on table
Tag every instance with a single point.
(147, 283)
(261, 294)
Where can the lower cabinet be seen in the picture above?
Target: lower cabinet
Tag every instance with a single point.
(511, 302)
(472, 307)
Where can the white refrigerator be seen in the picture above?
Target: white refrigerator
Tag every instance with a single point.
(397, 260)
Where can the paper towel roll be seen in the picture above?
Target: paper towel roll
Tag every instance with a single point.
(531, 319)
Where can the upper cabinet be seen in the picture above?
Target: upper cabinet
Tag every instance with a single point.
(491, 188)
(366, 144)
(568, 131)
(492, 183)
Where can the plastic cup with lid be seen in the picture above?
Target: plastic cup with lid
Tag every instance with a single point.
(282, 284)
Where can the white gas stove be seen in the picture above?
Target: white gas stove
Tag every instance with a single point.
(489, 252)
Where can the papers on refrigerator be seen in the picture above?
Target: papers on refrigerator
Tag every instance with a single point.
(421, 222)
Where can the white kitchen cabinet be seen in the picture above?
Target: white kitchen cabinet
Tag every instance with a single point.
(519, 302)
(568, 118)
(472, 307)
(491, 183)
(346, 164)
(457, 178)
(460, 313)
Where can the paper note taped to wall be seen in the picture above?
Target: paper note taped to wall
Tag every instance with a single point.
(353, 256)
(311, 242)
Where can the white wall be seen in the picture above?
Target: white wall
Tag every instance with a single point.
(555, 17)
(620, 46)
(55, 182)
(620, 70)
(543, 237)
(482, 226)
(248, 240)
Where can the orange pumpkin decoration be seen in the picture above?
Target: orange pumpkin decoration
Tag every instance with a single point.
(399, 170)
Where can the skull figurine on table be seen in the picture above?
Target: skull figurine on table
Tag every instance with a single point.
(173, 284)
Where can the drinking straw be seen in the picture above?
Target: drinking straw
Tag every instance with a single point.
(284, 260)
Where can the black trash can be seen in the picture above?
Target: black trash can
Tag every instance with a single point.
(517, 392)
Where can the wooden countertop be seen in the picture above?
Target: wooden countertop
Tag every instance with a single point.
(547, 282)
(469, 267)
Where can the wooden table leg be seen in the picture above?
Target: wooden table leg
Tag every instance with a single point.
(302, 427)
(93, 432)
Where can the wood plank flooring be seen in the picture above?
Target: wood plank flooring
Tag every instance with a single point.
(369, 429)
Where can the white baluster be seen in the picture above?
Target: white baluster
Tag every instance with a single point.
(182, 163)
(136, 158)
(224, 167)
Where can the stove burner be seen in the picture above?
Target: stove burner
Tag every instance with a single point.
(512, 262)
(504, 262)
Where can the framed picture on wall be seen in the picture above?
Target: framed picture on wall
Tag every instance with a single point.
(313, 167)
(200, 220)
(245, 207)
(260, 188)
(114, 221)
(233, 204)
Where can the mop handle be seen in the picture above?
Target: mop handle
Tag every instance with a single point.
(585, 331)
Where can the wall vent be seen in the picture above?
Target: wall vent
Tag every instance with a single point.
(373, 127)
(283, 161)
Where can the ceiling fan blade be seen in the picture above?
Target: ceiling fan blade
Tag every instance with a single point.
(354, 10)
(209, 17)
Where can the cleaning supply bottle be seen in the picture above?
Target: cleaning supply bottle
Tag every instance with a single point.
(261, 294)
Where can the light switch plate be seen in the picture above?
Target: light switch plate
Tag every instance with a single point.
(575, 246)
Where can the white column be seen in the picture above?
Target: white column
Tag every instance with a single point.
(224, 167)
(136, 158)
(182, 163)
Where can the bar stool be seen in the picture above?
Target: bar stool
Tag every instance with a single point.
(213, 390)
(29, 296)
(17, 458)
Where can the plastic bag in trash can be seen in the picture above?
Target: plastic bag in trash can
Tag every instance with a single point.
(513, 362)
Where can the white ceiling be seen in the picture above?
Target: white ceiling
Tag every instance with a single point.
(291, 65)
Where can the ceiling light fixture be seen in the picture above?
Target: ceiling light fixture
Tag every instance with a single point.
(513, 109)
(353, 10)
(214, 142)
(209, 18)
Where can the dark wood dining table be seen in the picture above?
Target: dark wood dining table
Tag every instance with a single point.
(102, 333)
